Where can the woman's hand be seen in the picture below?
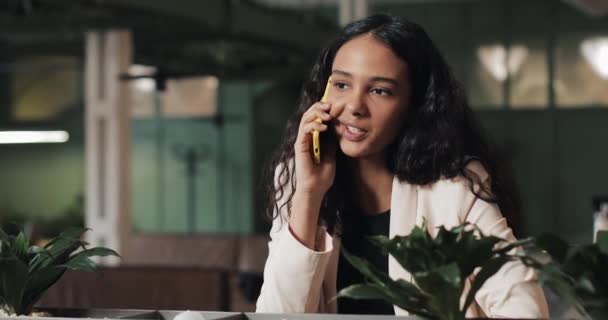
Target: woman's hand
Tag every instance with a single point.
(313, 180)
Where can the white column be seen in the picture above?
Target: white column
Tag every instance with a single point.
(107, 127)
(361, 9)
(351, 10)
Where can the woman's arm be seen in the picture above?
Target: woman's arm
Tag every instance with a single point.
(294, 271)
(304, 219)
(513, 291)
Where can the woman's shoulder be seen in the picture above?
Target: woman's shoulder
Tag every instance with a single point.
(476, 176)
(456, 192)
(455, 195)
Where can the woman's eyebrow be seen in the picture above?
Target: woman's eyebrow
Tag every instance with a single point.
(372, 79)
(344, 73)
(384, 79)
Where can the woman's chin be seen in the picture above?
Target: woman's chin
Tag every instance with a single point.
(353, 151)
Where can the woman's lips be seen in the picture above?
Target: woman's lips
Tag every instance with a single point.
(352, 133)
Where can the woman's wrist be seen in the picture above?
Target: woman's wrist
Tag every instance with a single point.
(307, 198)
(304, 217)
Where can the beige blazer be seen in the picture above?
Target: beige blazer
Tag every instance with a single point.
(298, 279)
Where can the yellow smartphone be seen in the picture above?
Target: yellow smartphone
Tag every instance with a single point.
(316, 143)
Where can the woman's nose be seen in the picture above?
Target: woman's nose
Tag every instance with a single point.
(355, 105)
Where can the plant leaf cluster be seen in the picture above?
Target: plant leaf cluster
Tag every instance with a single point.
(27, 271)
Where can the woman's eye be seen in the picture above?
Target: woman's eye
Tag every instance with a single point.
(380, 91)
(340, 85)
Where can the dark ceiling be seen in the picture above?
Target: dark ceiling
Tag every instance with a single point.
(227, 38)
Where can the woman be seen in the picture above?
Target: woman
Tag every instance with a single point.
(399, 146)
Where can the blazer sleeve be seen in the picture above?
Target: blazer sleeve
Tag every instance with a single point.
(293, 273)
(513, 291)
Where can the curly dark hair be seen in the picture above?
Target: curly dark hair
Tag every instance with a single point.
(440, 136)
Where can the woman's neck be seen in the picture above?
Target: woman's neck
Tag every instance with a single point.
(372, 183)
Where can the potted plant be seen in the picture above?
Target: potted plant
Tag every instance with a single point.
(575, 273)
(439, 267)
(27, 271)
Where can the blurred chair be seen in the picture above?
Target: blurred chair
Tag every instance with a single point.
(140, 288)
(221, 274)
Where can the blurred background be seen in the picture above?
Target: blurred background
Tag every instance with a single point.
(149, 121)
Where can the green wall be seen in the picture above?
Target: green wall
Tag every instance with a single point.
(40, 181)
(44, 181)
(559, 159)
(224, 184)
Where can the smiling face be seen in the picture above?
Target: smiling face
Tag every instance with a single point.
(371, 92)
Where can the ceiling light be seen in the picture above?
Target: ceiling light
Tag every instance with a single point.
(146, 83)
(595, 51)
(494, 59)
(15, 137)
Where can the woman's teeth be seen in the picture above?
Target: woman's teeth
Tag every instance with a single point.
(353, 129)
(353, 134)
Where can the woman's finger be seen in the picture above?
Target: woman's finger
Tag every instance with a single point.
(317, 110)
(304, 138)
(309, 127)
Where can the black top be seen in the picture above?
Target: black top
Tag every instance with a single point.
(355, 230)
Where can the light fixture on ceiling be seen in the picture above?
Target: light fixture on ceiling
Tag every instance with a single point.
(143, 84)
(595, 51)
(494, 59)
(18, 137)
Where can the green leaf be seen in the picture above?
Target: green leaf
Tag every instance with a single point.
(20, 247)
(372, 291)
(445, 237)
(488, 269)
(70, 233)
(39, 257)
(441, 277)
(59, 250)
(415, 252)
(400, 293)
(365, 267)
(474, 252)
(33, 250)
(602, 241)
(362, 291)
(82, 261)
(13, 277)
(65, 238)
(556, 247)
(523, 243)
(38, 283)
(409, 289)
(382, 242)
(98, 252)
(443, 286)
(551, 276)
(585, 284)
(3, 236)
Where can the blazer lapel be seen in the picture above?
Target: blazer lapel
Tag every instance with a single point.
(404, 204)
(330, 279)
